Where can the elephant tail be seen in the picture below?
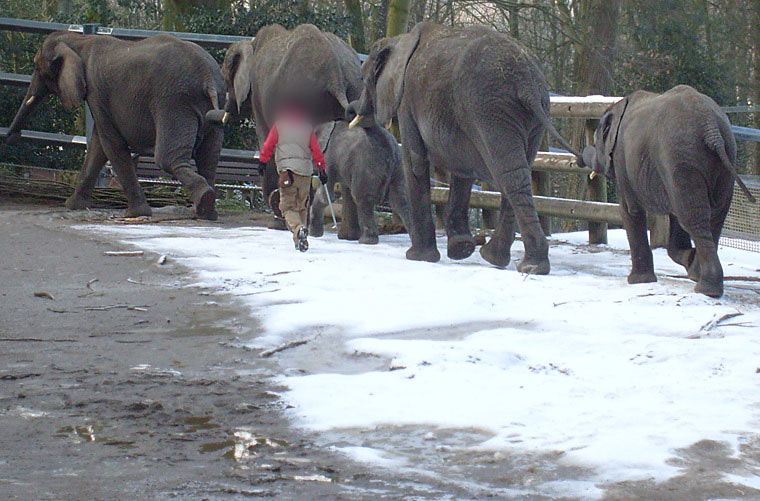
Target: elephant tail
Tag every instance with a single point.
(716, 143)
(535, 106)
(215, 117)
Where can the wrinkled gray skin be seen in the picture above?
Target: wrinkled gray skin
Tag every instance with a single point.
(304, 65)
(474, 102)
(148, 97)
(675, 154)
(366, 161)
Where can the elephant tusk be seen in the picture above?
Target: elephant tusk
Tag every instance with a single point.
(355, 121)
(30, 100)
(226, 117)
(592, 176)
(389, 124)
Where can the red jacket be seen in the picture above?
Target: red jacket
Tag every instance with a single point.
(267, 150)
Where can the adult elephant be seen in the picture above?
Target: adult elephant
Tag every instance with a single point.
(474, 102)
(146, 97)
(305, 66)
(671, 154)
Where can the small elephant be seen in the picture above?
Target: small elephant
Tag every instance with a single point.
(366, 161)
(674, 154)
(305, 66)
(148, 97)
(474, 102)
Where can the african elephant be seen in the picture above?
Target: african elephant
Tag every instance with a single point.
(675, 154)
(303, 66)
(366, 161)
(473, 101)
(146, 97)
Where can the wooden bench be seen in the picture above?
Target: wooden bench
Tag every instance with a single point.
(238, 170)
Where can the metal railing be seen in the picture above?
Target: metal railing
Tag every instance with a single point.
(597, 211)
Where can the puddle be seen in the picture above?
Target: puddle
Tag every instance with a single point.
(198, 423)
(244, 445)
(91, 433)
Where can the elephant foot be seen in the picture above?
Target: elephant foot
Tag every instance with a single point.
(493, 255)
(534, 266)
(429, 254)
(460, 246)
(77, 202)
(204, 201)
(709, 288)
(316, 231)
(642, 278)
(138, 211)
(693, 270)
(277, 223)
(369, 239)
(350, 234)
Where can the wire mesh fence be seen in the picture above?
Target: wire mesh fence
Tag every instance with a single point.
(742, 227)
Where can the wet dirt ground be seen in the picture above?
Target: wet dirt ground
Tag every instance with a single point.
(119, 380)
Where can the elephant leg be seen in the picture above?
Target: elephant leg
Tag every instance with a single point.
(511, 174)
(397, 197)
(422, 228)
(497, 250)
(207, 158)
(124, 167)
(367, 222)
(642, 263)
(692, 207)
(349, 223)
(317, 223)
(460, 245)
(175, 138)
(680, 249)
(94, 161)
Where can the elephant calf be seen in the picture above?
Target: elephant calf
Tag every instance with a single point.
(366, 161)
(675, 154)
(148, 97)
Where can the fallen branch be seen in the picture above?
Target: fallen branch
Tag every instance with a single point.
(114, 306)
(712, 324)
(293, 344)
(89, 284)
(124, 253)
(725, 279)
(46, 295)
(38, 340)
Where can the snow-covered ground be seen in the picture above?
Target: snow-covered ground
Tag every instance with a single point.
(611, 377)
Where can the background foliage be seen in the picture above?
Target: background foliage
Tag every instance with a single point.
(608, 47)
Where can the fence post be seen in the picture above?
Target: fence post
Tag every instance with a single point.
(540, 183)
(597, 191)
(490, 217)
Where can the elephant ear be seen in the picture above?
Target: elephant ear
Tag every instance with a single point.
(71, 80)
(610, 129)
(390, 70)
(237, 70)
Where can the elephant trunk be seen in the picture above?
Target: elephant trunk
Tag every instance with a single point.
(34, 95)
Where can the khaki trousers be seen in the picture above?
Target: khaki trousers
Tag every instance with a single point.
(294, 201)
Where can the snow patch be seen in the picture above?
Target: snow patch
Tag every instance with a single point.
(611, 376)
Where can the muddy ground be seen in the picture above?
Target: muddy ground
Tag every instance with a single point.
(118, 380)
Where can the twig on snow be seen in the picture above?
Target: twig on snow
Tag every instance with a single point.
(124, 253)
(292, 344)
(46, 295)
(712, 324)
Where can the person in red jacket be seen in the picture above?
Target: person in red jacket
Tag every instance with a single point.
(296, 152)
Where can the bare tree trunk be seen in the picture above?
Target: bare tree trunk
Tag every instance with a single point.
(755, 162)
(398, 17)
(175, 9)
(356, 37)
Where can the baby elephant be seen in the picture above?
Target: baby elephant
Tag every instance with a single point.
(675, 154)
(366, 160)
